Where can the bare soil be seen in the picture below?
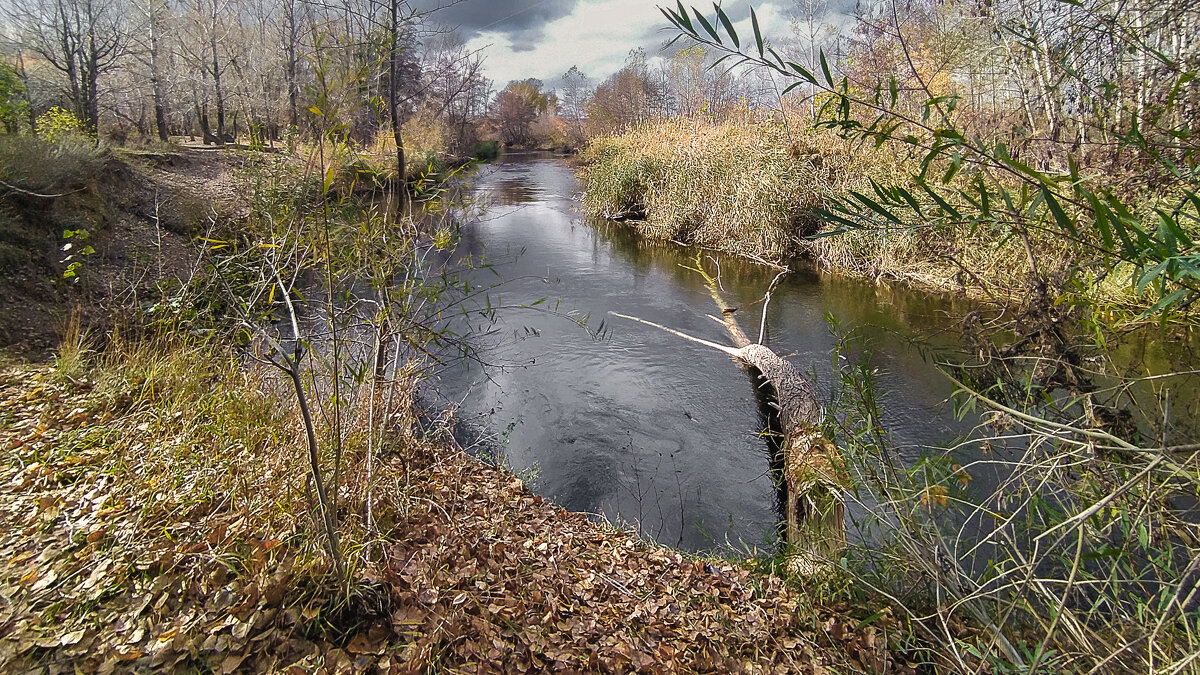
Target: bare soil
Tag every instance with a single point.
(142, 215)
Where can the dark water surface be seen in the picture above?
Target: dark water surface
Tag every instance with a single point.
(643, 427)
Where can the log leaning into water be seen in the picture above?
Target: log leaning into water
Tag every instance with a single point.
(812, 466)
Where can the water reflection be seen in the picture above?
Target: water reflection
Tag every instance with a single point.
(512, 191)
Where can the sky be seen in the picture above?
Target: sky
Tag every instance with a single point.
(544, 38)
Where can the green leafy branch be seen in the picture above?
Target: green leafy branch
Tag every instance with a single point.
(997, 190)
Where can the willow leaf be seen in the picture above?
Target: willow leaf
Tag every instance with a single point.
(724, 18)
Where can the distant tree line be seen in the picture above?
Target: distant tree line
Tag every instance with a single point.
(1073, 76)
(251, 69)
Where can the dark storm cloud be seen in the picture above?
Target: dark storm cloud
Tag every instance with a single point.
(523, 20)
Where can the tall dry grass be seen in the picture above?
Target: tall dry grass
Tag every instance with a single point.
(752, 188)
(742, 188)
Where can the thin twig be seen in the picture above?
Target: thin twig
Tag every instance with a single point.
(762, 327)
(39, 195)
(728, 350)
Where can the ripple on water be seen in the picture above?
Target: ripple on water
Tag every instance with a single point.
(643, 426)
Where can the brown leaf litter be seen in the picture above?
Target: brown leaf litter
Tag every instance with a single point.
(106, 565)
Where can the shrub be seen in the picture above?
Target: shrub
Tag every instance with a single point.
(487, 151)
(37, 165)
(58, 126)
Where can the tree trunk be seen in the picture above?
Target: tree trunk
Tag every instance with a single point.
(216, 73)
(28, 97)
(156, 76)
(813, 468)
(202, 117)
(394, 103)
(290, 49)
(91, 76)
(70, 53)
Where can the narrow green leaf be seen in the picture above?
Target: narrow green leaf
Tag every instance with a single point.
(1182, 82)
(875, 206)
(956, 162)
(1194, 198)
(830, 216)
(1122, 222)
(673, 20)
(707, 26)
(1152, 275)
(721, 60)
(782, 67)
(825, 69)
(870, 620)
(684, 18)
(758, 38)
(984, 205)
(970, 199)
(1060, 216)
(790, 87)
(1169, 227)
(912, 201)
(802, 71)
(945, 206)
(1027, 170)
(1169, 301)
(724, 18)
(1100, 213)
(1187, 268)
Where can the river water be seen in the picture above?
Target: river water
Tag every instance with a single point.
(640, 427)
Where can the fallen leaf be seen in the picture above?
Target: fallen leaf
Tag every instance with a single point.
(231, 663)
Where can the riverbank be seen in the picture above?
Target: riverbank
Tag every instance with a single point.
(155, 518)
(754, 189)
(102, 231)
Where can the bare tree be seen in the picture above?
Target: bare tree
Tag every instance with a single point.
(454, 89)
(82, 39)
(575, 95)
(810, 28)
(146, 45)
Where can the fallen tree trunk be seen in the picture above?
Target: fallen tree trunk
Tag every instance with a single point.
(813, 468)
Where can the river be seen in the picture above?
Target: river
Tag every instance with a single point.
(638, 426)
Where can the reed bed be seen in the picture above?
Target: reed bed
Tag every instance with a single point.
(753, 189)
(740, 188)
